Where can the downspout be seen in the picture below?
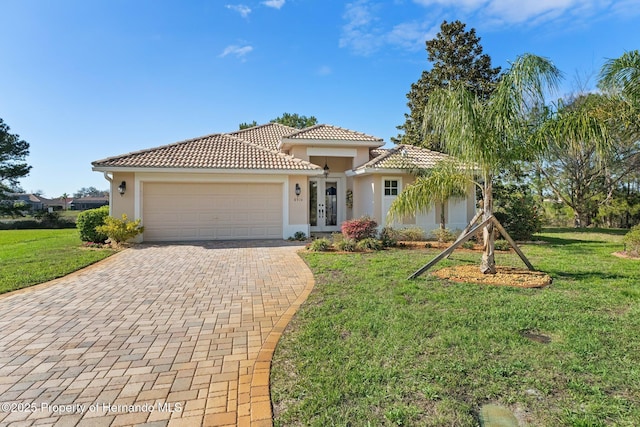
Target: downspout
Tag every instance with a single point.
(110, 179)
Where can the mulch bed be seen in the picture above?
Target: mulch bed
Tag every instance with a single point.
(628, 255)
(505, 276)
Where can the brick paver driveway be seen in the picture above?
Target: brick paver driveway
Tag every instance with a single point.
(175, 334)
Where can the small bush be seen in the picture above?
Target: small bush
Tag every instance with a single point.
(502, 245)
(320, 245)
(298, 236)
(411, 234)
(87, 222)
(443, 235)
(120, 230)
(347, 245)
(361, 228)
(468, 244)
(369, 244)
(389, 237)
(632, 240)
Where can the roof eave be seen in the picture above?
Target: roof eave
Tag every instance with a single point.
(286, 143)
(134, 169)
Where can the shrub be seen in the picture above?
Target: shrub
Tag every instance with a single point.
(369, 244)
(411, 234)
(502, 245)
(120, 230)
(468, 244)
(517, 211)
(361, 228)
(298, 236)
(347, 245)
(320, 245)
(443, 235)
(389, 237)
(632, 240)
(87, 222)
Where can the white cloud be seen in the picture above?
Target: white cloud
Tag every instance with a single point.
(243, 10)
(237, 51)
(324, 70)
(358, 34)
(533, 12)
(276, 4)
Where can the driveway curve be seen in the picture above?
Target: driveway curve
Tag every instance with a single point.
(156, 335)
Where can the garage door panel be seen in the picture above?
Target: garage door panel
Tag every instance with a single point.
(183, 211)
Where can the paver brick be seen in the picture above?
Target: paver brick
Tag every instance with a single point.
(159, 323)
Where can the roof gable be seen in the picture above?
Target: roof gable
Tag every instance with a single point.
(267, 135)
(404, 157)
(333, 133)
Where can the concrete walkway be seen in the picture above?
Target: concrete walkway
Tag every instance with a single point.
(157, 335)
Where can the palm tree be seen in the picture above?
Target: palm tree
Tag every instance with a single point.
(489, 136)
(431, 187)
(64, 197)
(622, 75)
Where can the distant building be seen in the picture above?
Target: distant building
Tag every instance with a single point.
(84, 203)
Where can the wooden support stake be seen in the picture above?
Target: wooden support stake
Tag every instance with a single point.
(466, 229)
(451, 248)
(466, 236)
(512, 243)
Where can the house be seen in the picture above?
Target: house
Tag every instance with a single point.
(268, 182)
(84, 203)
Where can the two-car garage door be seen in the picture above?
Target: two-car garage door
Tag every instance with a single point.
(211, 211)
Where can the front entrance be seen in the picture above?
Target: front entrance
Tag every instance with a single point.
(324, 206)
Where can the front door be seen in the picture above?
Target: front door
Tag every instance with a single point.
(323, 205)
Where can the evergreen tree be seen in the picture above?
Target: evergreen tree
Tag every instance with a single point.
(457, 57)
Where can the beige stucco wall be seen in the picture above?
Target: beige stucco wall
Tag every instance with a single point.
(298, 205)
(123, 204)
(364, 197)
(362, 157)
(336, 164)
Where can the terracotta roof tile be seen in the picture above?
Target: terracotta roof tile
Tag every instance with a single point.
(265, 135)
(218, 151)
(328, 132)
(404, 157)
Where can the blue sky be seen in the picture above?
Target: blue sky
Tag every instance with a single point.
(83, 80)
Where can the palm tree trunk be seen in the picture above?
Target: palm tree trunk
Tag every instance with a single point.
(488, 264)
(442, 217)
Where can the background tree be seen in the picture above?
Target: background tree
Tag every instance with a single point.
(295, 120)
(13, 152)
(622, 75)
(292, 120)
(65, 197)
(90, 192)
(246, 125)
(457, 58)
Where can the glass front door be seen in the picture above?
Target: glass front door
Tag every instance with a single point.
(323, 205)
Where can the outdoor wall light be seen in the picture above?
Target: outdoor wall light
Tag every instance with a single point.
(298, 189)
(326, 170)
(122, 188)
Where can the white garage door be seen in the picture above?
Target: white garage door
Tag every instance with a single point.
(211, 211)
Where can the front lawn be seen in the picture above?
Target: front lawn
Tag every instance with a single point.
(370, 347)
(29, 257)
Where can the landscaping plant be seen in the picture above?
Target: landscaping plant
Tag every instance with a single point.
(87, 222)
(360, 228)
(120, 230)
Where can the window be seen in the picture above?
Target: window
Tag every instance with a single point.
(390, 187)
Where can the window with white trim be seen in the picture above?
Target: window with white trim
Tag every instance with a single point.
(390, 187)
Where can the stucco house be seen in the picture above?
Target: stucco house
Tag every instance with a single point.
(268, 182)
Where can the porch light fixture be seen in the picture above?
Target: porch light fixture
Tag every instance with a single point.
(122, 188)
(298, 189)
(325, 170)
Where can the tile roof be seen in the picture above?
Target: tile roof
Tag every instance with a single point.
(404, 157)
(218, 151)
(328, 132)
(267, 135)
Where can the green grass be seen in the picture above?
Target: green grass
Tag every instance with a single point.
(370, 347)
(29, 257)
